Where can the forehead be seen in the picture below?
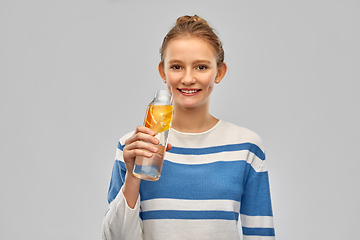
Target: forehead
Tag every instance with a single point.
(189, 48)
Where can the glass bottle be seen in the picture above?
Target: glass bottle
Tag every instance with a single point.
(158, 118)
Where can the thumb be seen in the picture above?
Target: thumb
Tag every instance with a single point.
(168, 147)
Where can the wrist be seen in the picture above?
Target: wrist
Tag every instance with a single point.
(131, 189)
(130, 179)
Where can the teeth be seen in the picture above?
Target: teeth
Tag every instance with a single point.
(188, 91)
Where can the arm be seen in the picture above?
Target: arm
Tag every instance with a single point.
(121, 220)
(256, 210)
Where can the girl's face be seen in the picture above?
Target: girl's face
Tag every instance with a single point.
(190, 71)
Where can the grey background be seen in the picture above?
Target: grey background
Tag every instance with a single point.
(77, 75)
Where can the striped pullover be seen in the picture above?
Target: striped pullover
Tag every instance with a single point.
(211, 182)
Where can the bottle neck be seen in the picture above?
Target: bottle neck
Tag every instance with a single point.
(162, 97)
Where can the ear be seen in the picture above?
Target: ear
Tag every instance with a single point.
(161, 71)
(221, 73)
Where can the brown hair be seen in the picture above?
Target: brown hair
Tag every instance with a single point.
(197, 27)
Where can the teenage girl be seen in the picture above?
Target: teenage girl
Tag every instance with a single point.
(213, 172)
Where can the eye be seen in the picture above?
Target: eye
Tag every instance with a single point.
(202, 67)
(176, 67)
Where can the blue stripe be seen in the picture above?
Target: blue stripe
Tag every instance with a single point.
(191, 215)
(217, 149)
(258, 231)
(218, 180)
(107, 211)
(117, 179)
(121, 147)
(256, 200)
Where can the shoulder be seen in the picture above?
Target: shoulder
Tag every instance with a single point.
(239, 134)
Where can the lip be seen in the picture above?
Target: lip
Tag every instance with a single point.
(189, 91)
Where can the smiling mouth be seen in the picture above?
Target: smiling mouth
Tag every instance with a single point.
(189, 91)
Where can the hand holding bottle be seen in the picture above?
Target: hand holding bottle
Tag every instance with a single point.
(141, 143)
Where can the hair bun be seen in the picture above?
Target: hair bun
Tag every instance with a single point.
(194, 26)
(188, 18)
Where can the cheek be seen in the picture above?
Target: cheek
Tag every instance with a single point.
(172, 81)
(169, 88)
(210, 88)
(210, 82)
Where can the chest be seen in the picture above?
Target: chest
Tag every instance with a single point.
(216, 180)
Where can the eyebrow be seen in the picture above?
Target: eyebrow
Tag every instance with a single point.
(174, 61)
(202, 61)
(195, 62)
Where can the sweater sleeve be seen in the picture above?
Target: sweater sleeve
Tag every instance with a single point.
(120, 221)
(256, 210)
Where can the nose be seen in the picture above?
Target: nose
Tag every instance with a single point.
(188, 78)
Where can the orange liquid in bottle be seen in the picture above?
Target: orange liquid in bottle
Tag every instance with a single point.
(158, 118)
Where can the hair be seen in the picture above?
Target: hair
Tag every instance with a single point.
(194, 26)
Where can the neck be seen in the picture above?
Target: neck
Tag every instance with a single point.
(193, 120)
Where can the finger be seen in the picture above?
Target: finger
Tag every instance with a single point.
(140, 136)
(131, 154)
(140, 145)
(142, 152)
(144, 129)
(168, 147)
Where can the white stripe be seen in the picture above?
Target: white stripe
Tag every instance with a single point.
(176, 229)
(224, 133)
(119, 155)
(243, 155)
(189, 205)
(256, 221)
(125, 137)
(263, 167)
(258, 238)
